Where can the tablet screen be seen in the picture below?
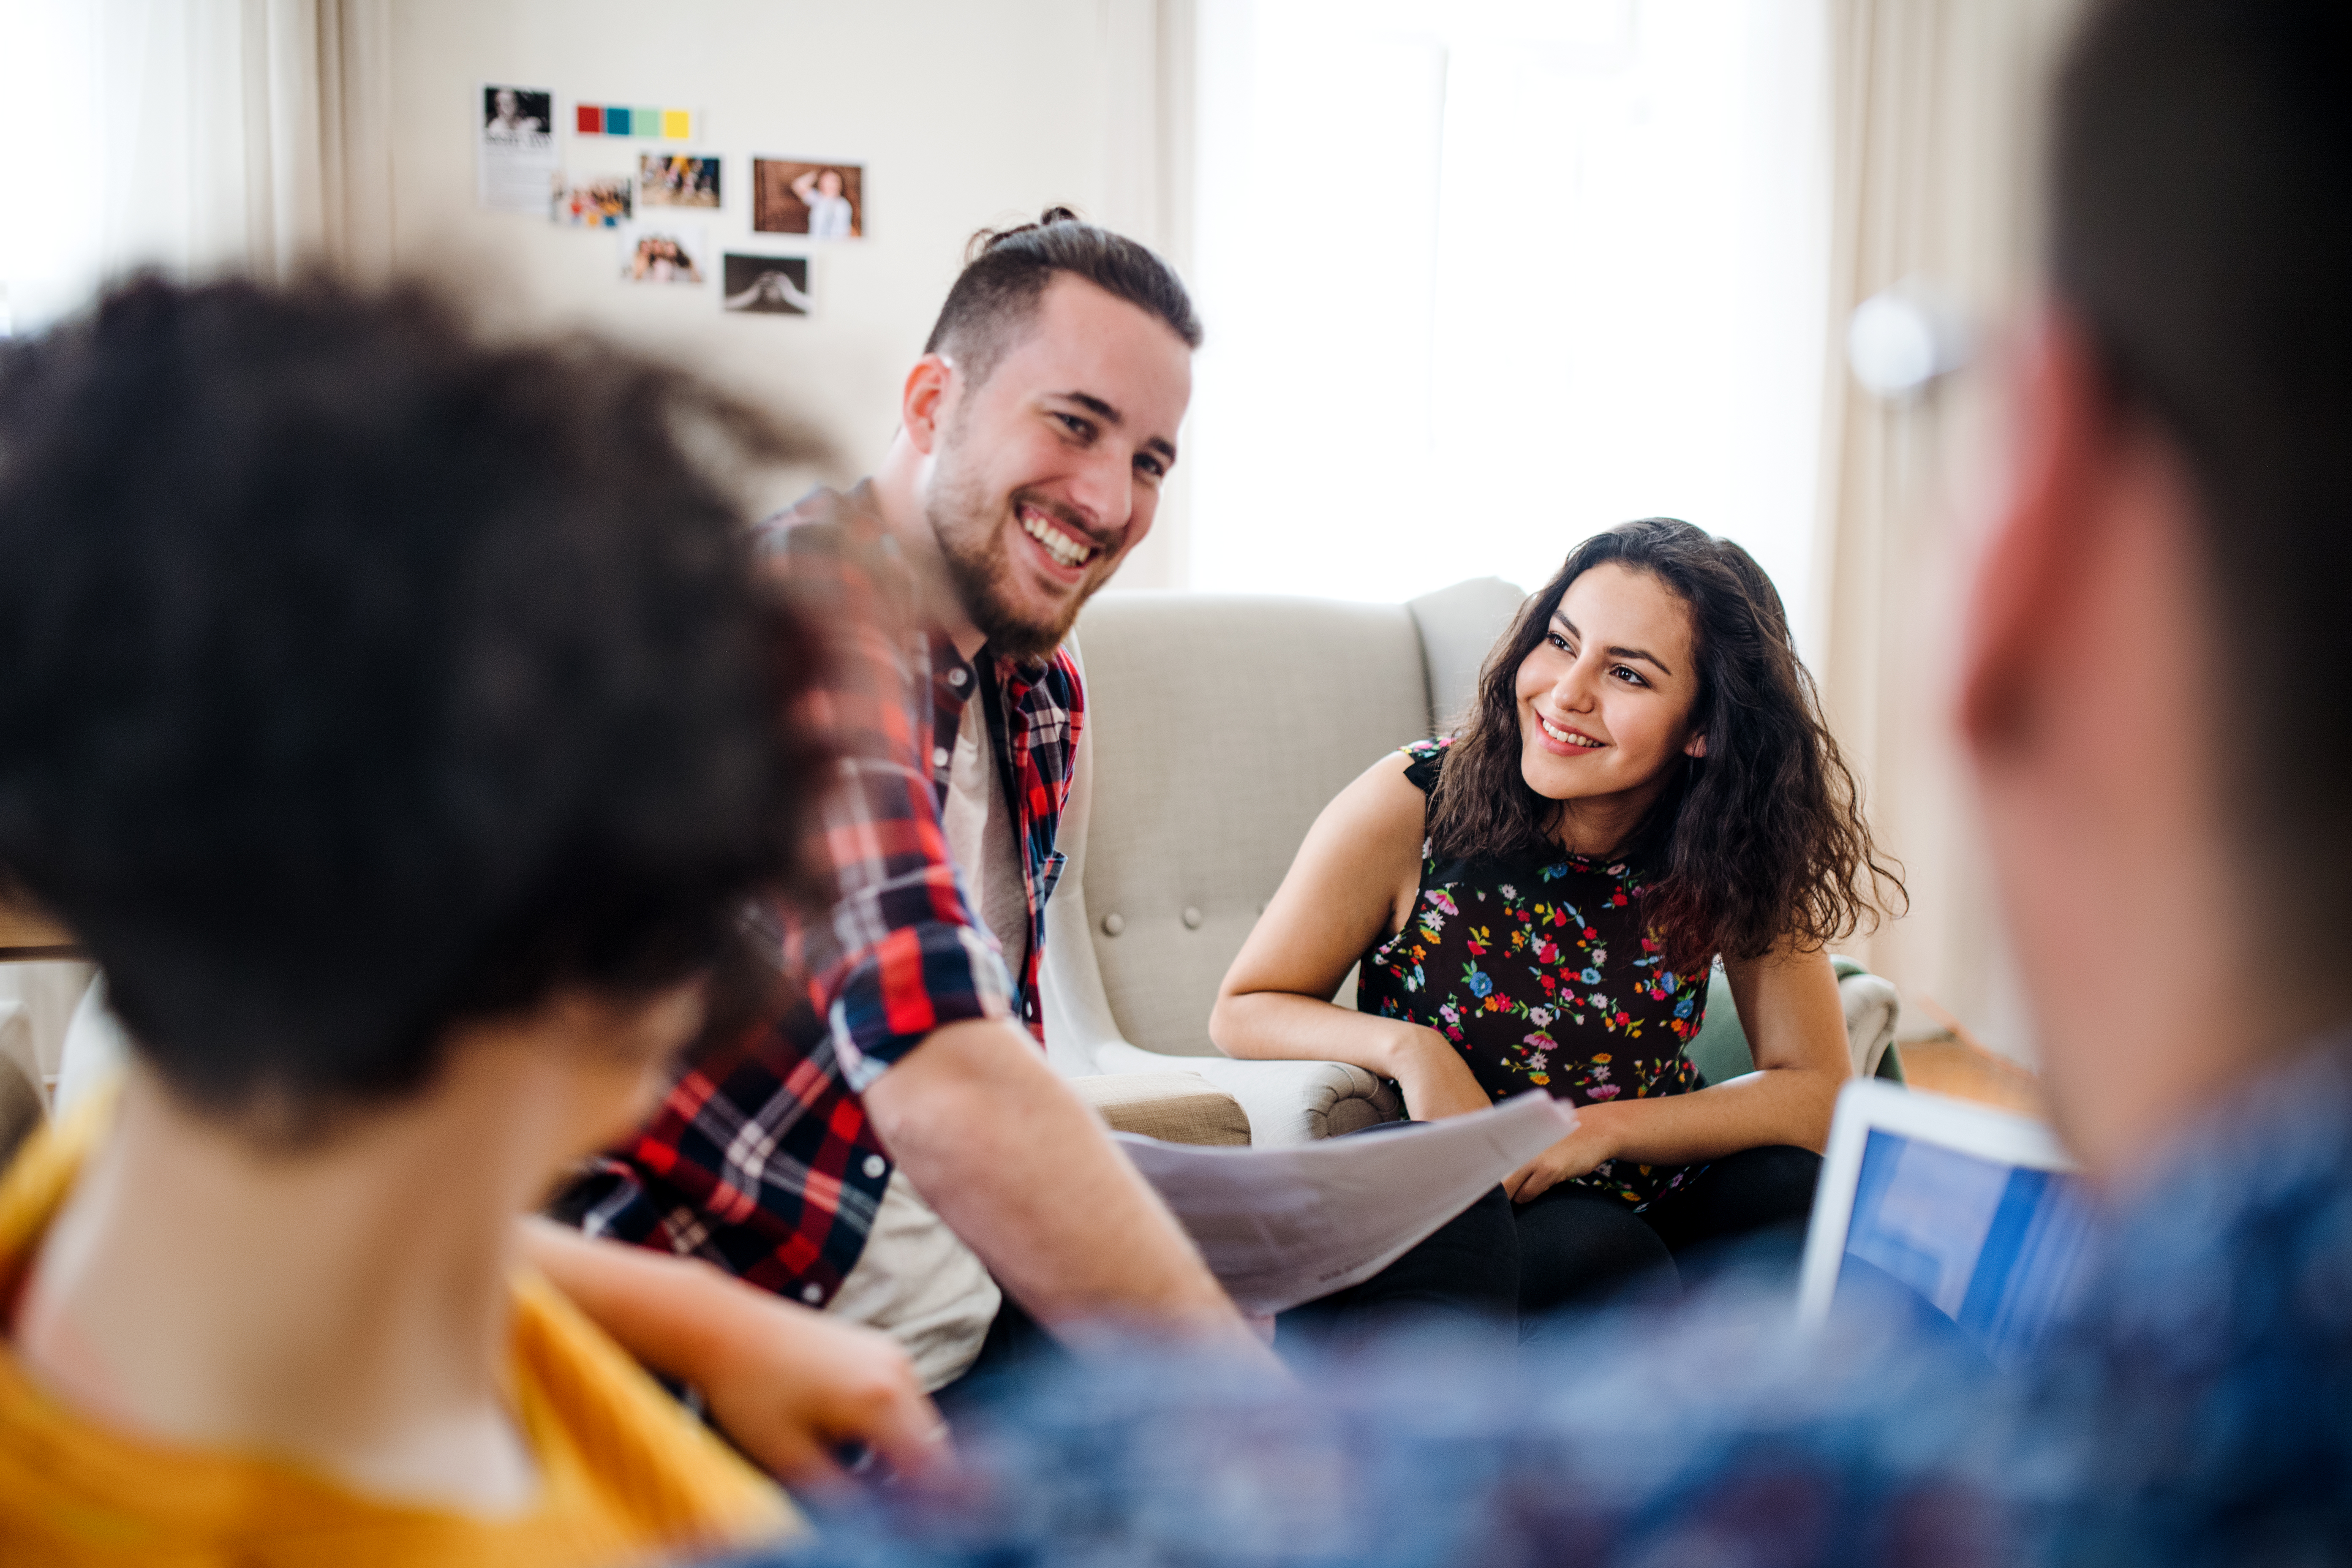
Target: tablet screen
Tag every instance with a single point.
(1992, 1247)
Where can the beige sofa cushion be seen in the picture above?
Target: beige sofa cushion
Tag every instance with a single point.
(1175, 1107)
(1221, 724)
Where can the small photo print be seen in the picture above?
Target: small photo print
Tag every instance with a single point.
(664, 252)
(823, 201)
(769, 285)
(678, 180)
(591, 201)
(517, 111)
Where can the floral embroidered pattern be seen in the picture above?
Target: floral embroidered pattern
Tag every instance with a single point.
(1550, 981)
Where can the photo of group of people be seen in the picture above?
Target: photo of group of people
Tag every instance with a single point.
(520, 170)
(593, 201)
(664, 252)
(678, 180)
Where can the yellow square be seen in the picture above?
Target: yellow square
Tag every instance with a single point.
(677, 125)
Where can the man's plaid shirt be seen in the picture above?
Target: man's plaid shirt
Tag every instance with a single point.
(762, 1159)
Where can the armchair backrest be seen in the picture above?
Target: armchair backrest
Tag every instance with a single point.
(1221, 725)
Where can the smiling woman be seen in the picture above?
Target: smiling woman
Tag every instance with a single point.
(1643, 784)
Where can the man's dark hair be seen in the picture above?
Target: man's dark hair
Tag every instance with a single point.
(1005, 272)
(2201, 232)
(357, 679)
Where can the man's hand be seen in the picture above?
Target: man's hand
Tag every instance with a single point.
(1022, 1172)
(788, 1384)
(1574, 1155)
(1434, 1078)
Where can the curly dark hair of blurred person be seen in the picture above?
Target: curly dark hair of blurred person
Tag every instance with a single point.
(1762, 840)
(358, 677)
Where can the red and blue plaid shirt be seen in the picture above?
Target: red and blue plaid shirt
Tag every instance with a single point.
(762, 1159)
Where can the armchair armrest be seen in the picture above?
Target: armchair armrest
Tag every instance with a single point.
(1286, 1102)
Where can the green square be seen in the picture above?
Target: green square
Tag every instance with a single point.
(647, 121)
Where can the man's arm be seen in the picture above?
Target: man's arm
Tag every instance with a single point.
(1020, 1168)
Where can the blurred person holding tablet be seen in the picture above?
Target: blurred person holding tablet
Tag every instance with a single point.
(2151, 698)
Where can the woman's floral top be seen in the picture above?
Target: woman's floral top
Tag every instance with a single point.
(1543, 976)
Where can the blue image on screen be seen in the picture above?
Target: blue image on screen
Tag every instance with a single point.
(1992, 1249)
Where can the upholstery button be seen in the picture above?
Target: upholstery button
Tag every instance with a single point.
(1192, 919)
(811, 1292)
(1113, 923)
(875, 1165)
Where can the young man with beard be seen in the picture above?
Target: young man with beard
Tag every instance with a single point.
(894, 1148)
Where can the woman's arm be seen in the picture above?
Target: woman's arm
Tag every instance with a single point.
(1354, 882)
(788, 1384)
(1796, 1030)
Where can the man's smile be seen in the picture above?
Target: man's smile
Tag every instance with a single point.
(1065, 549)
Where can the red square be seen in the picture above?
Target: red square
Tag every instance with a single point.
(592, 119)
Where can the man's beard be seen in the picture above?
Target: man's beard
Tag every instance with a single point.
(977, 552)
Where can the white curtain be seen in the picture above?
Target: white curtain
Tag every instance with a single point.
(1936, 111)
(196, 136)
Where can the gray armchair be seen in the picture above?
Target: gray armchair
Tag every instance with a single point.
(1218, 726)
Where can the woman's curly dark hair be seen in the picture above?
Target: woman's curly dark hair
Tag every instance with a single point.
(1762, 840)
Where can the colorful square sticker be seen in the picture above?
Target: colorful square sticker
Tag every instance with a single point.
(677, 125)
(645, 122)
(591, 121)
(617, 122)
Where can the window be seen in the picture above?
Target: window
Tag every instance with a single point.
(1483, 277)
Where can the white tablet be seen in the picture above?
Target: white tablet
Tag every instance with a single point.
(1945, 1209)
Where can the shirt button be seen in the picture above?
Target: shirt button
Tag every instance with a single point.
(956, 678)
(1192, 920)
(811, 1292)
(875, 1165)
(939, 756)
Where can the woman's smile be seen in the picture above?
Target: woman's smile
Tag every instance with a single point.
(1566, 739)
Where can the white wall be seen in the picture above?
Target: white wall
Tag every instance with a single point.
(964, 114)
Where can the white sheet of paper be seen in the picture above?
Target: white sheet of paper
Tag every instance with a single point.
(1280, 1227)
(513, 166)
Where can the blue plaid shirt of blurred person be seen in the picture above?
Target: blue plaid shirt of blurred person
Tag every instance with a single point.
(761, 1158)
(2194, 1407)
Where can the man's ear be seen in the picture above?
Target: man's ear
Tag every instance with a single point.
(1696, 745)
(2064, 428)
(923, 402)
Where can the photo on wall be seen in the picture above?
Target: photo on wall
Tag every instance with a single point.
(823, 201)
(767, 285)
(664, 252)
(678, 180)
(591, 201)
(514, 147)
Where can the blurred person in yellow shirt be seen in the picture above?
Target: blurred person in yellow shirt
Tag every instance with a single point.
(398, 721)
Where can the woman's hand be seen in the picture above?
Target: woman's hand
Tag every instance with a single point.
(788, 1384)
(1593, 1142)
(810, 1384)
(1434, 1079)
